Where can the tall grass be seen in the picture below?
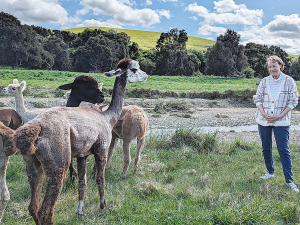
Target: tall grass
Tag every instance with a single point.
(175, 184)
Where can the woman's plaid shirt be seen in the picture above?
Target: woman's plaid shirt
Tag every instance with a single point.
(287, 95)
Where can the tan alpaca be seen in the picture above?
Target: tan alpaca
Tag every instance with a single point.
(49, 141)
(133, 123)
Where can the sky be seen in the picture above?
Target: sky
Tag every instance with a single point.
(269, 22)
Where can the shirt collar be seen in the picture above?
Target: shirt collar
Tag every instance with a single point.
(279, 78)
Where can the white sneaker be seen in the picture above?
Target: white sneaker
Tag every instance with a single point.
(293, 187)
(267, 176)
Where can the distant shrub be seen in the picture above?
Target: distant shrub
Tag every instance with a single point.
(42, 94)
(59, 93)
(39, 105)
(249, 72)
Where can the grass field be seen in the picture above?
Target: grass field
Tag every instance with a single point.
(196, 180)
(52, 79)
(147, 39)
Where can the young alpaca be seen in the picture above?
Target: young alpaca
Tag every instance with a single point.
(133, 123)
(48, 142)
(9, 118)
(16, 90)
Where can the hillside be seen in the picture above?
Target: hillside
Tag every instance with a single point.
(147, 39)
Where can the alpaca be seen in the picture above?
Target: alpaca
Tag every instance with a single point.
(49, 141)
(133, 123)
(83, 89)
(9, 118)
(16, 90)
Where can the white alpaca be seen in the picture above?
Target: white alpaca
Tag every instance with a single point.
(16, 90)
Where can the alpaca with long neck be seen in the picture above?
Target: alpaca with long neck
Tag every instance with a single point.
(133, 123)
(16, 90)
(49, 141)
(11, 119)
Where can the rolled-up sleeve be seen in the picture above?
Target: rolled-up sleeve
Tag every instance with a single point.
(258, 97)
(293, 95)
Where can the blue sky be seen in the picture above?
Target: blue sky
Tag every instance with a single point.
(270, 22)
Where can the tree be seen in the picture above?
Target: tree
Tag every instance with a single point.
(226, 57)
(60, 52)
(257, 55)
(21, 46)
(172, 57)
(295, 68)
(219, 60)
(96, 55)
(134, 51)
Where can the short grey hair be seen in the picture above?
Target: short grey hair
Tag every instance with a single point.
(275, 58)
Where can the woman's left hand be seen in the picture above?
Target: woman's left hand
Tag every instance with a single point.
(273, 119)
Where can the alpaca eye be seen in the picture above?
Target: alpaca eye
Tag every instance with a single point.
(14, 89)
(134, 70)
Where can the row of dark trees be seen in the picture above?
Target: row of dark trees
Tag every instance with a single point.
(97, 50)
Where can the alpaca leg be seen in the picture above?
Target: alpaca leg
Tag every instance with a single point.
(81, 167)
(35, 175)
(55, 177)
(111, 149)
(139, 148)
(73, 172)
(4, 193)
(100, 162)
(127, 157)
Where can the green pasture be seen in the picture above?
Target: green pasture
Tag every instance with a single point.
(193, 87)
(182, 179)
(147, 39)
(52, 79)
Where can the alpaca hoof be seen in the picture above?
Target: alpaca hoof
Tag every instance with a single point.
(102, 204)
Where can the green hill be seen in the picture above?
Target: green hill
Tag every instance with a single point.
(147, 39)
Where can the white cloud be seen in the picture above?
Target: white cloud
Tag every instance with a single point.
(198, 9)
(36, 11)
(285, 26)
(149, 2)
(224, 6)
(123, 13)
(96, 23)
(165, 13)
(227, 12)
(283, 31)
(209, 30)
(170, 0)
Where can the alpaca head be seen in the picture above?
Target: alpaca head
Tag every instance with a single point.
(84, 88)
(15, 89)
(132, 68)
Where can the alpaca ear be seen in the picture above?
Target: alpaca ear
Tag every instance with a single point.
(15, 81)
(100, 85)
(23, 85)
(66, 86)
(114, 73)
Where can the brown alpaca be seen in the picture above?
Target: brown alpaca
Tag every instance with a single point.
(49, 141)
(10, 118)
(133, 123)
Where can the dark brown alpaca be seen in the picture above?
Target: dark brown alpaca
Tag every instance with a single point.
(49, 141)
(10, 118)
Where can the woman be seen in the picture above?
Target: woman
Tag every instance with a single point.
(276, 96)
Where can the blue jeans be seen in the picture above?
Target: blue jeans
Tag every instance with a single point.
(282, 141)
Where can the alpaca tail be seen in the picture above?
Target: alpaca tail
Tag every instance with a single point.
(26, 136)
(7, 135)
